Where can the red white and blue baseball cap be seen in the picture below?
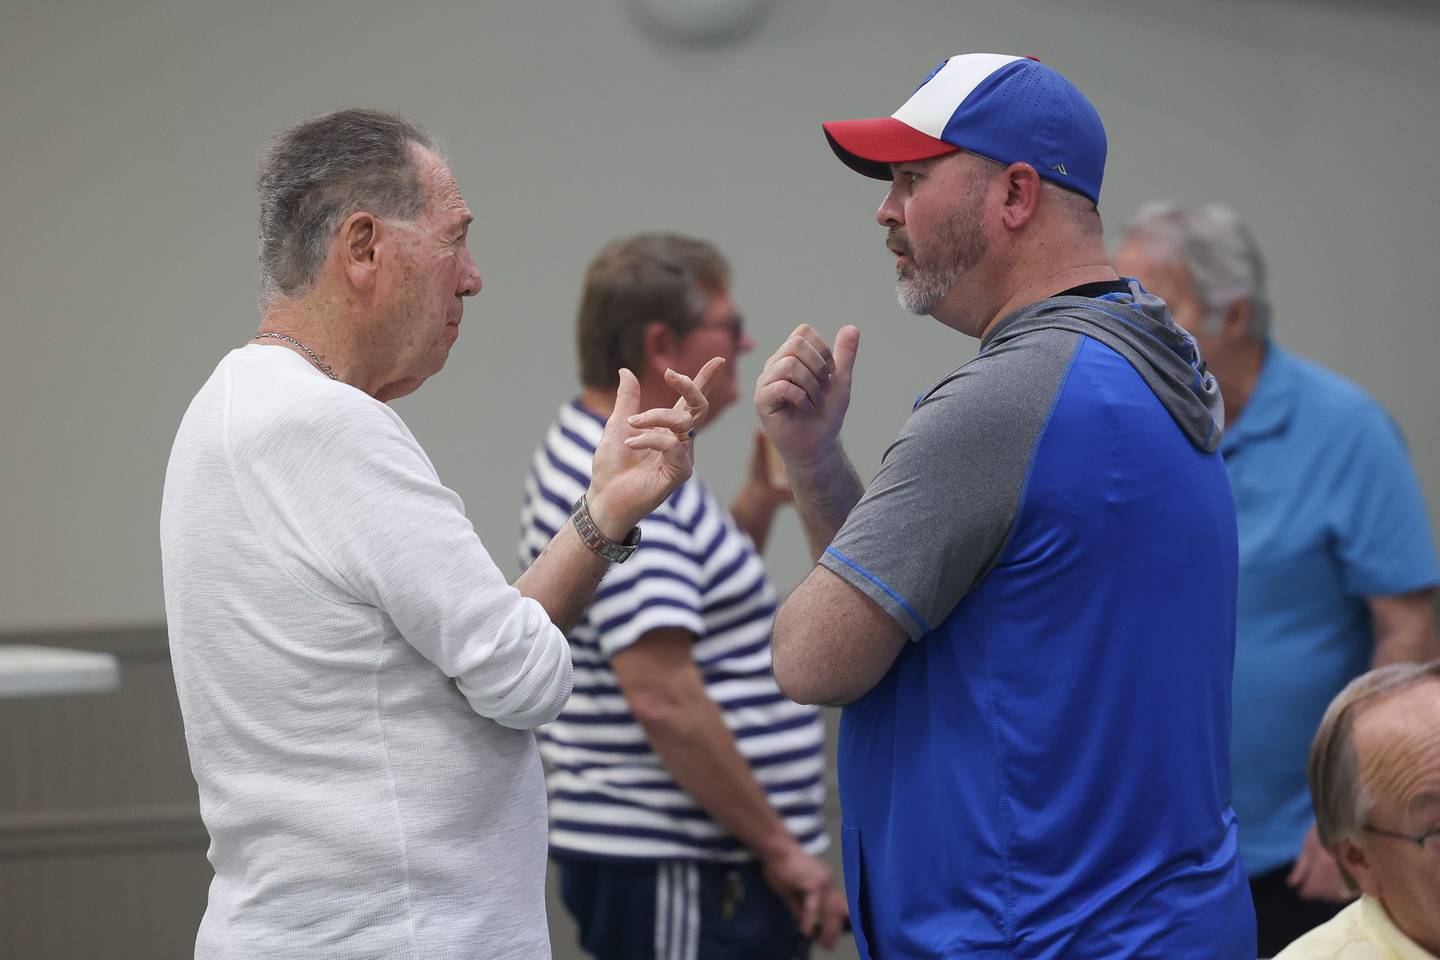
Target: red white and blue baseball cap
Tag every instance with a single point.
(1009, 109)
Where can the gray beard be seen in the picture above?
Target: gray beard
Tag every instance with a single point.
(922, 290)
(961, 247)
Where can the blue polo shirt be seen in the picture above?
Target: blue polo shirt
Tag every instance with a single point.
(1329, 513)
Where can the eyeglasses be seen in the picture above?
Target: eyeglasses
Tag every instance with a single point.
(735, 326)
(1417, 839)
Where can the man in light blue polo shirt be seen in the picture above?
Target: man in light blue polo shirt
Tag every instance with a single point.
(1337, 567)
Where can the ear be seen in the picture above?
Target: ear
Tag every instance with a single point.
(1352, 857)
(659, 344)
(1236, 323)
(1022, 195)
(358, 253)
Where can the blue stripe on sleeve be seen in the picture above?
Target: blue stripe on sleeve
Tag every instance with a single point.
(717, 606)
(613, 589)
(653, 545)
(580, 408)
(625, 718)
(884, 588)
(696, 517)
(731, 568)
(554, 499)
(733, 653)
(663, 520)
(759, 613)
(709, 549)
(566, 469)
(621, 619)
(809, 752)
(779, 786)
(576, 439)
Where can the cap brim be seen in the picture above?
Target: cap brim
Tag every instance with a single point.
(870, 146)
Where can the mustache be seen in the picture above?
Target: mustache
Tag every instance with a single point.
(898, 243)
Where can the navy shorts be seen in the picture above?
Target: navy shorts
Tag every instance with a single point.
(678, 910)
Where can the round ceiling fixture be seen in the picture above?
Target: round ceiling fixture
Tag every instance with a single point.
(702, 21)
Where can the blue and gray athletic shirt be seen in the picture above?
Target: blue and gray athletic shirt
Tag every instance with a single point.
(1044, 772)
(610, 796)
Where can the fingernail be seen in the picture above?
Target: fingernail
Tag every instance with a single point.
(633, 419)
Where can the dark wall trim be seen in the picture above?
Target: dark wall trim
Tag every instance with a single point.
(89, 832)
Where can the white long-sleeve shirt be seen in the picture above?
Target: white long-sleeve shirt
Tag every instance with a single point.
(357, 679)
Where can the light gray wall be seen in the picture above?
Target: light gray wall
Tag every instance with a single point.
(128, 139)
(130, 133)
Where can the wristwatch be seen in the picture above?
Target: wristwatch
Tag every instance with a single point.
(591, 536)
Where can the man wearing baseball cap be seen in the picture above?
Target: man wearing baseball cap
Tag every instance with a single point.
(1029, 612)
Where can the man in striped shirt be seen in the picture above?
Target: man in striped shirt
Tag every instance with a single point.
(686, 790)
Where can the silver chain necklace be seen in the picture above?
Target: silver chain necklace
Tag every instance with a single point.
(324, 367)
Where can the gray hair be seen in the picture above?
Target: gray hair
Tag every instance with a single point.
(317, 173)
(1342, 802)
(1217, 249)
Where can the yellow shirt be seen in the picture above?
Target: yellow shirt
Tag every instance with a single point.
(1362, 931)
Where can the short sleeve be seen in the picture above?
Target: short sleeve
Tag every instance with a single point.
(659, 587)
(937, 515)
(1382, 533)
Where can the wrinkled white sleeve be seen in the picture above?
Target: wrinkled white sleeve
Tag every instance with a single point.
(355, 498)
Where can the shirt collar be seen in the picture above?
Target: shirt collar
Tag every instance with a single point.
(1377, 926)
(1271, 405)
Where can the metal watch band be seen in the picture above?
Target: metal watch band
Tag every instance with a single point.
(591, 536)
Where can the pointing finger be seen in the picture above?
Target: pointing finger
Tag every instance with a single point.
(701, 381)
(692, 393)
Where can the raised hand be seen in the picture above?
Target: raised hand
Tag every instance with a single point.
(643, 456)
(803, 393)
(767, 480)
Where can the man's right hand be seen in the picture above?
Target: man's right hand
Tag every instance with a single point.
(803, 393)
(803, 882)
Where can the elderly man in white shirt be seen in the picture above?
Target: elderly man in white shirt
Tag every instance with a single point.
(358, 681)
(1375, 781)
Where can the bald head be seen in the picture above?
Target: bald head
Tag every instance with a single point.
(1397, 745)
(1375, 782)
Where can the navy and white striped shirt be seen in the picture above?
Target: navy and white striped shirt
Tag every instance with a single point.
(610, 795)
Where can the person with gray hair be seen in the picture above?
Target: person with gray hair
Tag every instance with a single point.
(359, 683)
(1337, 569)
(1375, 778)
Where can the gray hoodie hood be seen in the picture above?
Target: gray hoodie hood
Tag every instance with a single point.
(1138, 327)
